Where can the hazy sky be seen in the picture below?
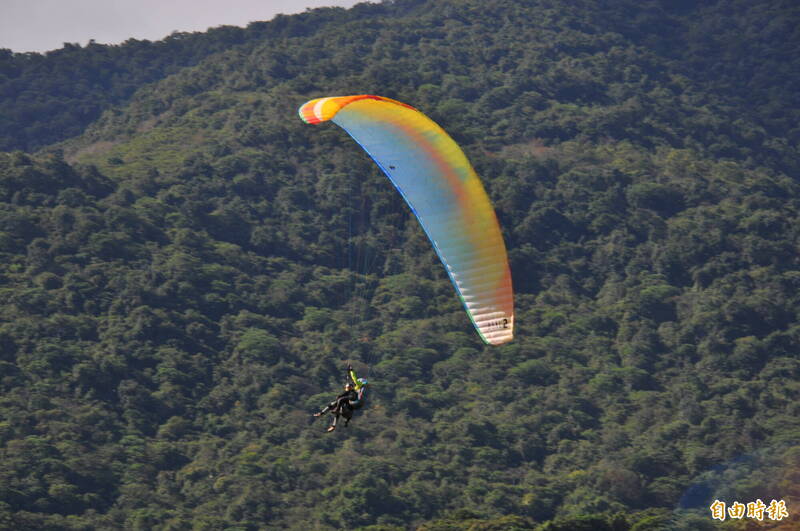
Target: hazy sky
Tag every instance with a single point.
(41, 25)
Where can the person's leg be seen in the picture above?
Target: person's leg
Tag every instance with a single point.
(335, 420)
(324, 410)
(347, 413)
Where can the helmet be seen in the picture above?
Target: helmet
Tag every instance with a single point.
(362, 381)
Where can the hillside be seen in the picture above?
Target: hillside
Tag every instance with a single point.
(187, 276)
(47, 98)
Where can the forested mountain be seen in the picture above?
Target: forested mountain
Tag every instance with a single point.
(46, 98)
(187, 268)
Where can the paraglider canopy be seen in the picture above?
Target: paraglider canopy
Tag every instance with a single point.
(439, 184)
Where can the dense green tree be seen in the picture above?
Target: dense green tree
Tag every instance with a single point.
(186, 275)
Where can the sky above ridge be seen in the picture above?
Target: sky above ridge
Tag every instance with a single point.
(43, 25)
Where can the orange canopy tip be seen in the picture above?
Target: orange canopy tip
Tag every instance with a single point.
(323, 109)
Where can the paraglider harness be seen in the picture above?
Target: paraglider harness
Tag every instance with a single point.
(359, 386)
(343, 405)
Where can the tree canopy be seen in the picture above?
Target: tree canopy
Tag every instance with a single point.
(187, 268)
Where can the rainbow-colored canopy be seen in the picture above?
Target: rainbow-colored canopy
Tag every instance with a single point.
(437, 181)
